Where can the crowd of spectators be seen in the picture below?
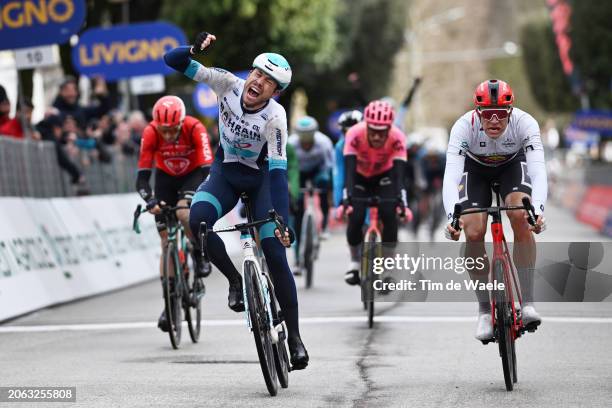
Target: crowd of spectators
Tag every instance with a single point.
(82, 135)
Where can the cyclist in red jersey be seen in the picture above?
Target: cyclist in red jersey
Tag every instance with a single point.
(179, 148)
(374, 157)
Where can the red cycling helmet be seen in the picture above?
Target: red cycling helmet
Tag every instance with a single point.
(379, 115)
(169, 111)
(493, 92)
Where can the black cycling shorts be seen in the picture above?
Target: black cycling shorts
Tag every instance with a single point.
(171, 189)
(475, 185)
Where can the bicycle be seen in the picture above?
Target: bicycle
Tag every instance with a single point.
(506, 317)
(188, 290)
(372, 249)
(262, 313)
(309, 235)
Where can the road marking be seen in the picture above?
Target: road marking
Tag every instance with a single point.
(305, 320)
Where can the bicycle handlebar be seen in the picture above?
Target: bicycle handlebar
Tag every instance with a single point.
(166, 209)
(531, 217)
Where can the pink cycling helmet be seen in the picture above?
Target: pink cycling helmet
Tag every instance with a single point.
(379, 115)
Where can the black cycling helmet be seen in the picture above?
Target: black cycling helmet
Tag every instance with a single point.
(348, 119)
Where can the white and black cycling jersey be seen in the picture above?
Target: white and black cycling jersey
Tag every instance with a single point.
(247, 137)
(468, 139)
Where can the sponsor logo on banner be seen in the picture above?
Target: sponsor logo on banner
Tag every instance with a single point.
(126, 51)
(595, 206)
(29, 23)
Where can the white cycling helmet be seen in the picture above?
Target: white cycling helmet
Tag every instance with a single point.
(307, 124)
(276, 66)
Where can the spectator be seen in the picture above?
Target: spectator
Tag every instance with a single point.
(51, 129)
(21, 125)
(67, 102)
(137, 123)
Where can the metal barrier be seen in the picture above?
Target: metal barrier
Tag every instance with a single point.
(30, 169)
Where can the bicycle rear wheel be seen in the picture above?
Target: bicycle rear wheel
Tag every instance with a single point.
(173, 295)
(309, 251)
(504, 323)
(260, 326)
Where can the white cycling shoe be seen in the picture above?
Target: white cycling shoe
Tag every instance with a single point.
(352, 276)
(484, 327)
(530, 316)
(325, 235)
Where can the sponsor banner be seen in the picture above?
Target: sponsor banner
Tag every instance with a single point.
(596, 205)
(126, 51)
(56, 250)
(598, 121)
(29, 23)
(205, 99)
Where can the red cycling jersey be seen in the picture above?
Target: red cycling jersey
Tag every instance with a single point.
(372, 162)
(190, 151)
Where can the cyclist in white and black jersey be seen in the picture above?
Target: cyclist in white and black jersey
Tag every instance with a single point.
(251, 158)
(496, 143)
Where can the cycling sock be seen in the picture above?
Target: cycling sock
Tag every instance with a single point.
(526, 279)
(291, 318)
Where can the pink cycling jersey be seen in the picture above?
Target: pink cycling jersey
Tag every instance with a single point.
(372, 162)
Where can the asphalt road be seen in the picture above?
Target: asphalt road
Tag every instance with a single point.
(418, 354)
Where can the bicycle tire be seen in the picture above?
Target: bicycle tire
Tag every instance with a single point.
(309, 252)
(281, 357)
(259, 325)
(172, 298)
(192, 302)
(504, 322)
(368, 275)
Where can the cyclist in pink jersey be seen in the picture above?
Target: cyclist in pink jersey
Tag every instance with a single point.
(374, 162)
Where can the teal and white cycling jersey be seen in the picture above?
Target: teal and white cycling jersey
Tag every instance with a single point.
(320, 156)
(247, 137)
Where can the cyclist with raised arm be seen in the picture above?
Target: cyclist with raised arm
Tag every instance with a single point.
(374, 161)
(178, 146)
(315, 155)
(251, 158)
(496, 142)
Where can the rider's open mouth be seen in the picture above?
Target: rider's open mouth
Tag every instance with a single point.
(252, 92)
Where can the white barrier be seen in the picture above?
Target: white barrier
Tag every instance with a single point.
(61, 249)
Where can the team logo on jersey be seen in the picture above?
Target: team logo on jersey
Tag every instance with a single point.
(176, 165)
(508, 143)
(241, 144)
(279, 145)
(397, 146)
(483, 144)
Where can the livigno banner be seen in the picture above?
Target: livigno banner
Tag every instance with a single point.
(126, 51)
(28, 23)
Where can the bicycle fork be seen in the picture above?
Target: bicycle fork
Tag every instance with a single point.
(249, 255)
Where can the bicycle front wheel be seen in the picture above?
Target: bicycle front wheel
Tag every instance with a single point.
(281, 357)
(372, 250)
(260, 326)
(172, 295)
(504, 322)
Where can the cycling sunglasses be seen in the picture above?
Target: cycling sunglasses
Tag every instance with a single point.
(500, 113)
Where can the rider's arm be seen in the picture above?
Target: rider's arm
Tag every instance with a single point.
(276, 136)
(218, 79)
(455, 162)
(351, 143)
(148, 144)
(399, 155)
(338, 172)
(536, 166)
